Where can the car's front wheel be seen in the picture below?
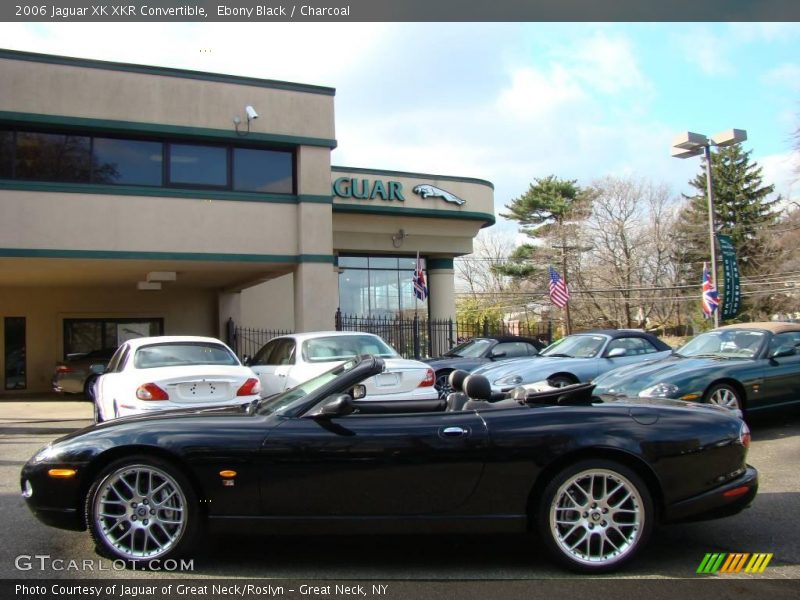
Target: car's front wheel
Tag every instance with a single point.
(595, 516)
(725, 395)
(141, 508)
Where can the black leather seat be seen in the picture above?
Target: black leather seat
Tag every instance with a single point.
(456, 398)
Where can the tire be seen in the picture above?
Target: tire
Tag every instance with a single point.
(88, 388)
(725, 395)
(142, 508)
(442, 385)
(561, 381)
(601, 532)
(98, 418)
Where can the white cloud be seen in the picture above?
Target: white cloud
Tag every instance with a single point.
(782, 170)
(608, 64)
(787, 74)
(707, 51)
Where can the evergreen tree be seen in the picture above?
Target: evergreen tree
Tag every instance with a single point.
(742, 209)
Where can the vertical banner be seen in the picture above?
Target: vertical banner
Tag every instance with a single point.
(732, 295)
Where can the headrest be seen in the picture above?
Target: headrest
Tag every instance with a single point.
(478, 387)
(456, 380)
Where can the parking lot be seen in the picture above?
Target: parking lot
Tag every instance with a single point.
(769, 526)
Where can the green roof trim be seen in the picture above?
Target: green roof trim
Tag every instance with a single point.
(107, 126)
(440, 263)
(189, 256)
(159, 192)
(360, 170)
(70, 61)
(428, 213)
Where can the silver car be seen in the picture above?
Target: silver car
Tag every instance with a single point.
(74, 375)
(577, 358)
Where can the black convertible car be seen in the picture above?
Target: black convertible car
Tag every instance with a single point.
(592, 479)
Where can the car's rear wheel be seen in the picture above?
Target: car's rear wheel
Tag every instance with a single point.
(595, 516)
(141, 508)
(88, 388)
(442, 384)
(725, 395)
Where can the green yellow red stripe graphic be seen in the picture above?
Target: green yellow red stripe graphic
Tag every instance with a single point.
(734, 562)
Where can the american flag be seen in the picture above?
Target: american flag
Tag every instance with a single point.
(420, 289)
(710, 294)
(559, 294)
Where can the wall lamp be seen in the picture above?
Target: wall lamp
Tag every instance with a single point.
(397, 238)
(250, 114)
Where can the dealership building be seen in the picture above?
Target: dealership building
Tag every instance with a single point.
(139, 200)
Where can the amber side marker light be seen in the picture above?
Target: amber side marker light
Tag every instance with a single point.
(62, 473)
(227, 473)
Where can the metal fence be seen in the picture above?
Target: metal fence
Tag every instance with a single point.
(412, 338)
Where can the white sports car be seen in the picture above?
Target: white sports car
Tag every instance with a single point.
(289, 360)
(157, 373)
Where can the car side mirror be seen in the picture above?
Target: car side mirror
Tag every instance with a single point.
(336, 406)
(498, 355)
(359, 391)
(616, 352)
(97, 369)
(785, 350)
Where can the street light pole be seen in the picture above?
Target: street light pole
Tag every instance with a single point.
(712, 233)
(693, 144)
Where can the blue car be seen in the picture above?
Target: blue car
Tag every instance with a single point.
(577, 358)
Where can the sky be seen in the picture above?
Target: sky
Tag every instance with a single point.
(504, 102)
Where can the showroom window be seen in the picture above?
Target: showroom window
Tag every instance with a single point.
(82, 336)
(63, 157)
(379, 286)
(14, 353)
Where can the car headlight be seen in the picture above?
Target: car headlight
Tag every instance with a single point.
(47, 453)
(510, 380)
(660, 390)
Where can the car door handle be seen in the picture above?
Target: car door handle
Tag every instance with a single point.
(454, 431)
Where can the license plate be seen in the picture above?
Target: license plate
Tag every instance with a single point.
(387, 380)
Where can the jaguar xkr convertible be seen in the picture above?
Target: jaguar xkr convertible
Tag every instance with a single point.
(592, 478)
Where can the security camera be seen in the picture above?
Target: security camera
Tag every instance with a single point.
(251, 112)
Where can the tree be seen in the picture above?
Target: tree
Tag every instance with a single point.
(547, 212)
(743, 209)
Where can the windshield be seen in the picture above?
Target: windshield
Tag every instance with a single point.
(474, 348)
(729, 343)
(576, 346)
(281, 402)
(342, 347)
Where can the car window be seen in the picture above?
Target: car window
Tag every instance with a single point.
(262, 356)
(788, 338)
(576, 346)
(512, 349)
(342, 347)
(633, 346)
(116, 362)
(728, 343)
(283, 353)
(474, 348)
(286, 400)
(171, 354)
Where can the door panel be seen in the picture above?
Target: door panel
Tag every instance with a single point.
(423, 463)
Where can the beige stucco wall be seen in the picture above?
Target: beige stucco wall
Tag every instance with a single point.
(269, 305)
(190, 312)
(68, 221)
(31, 87)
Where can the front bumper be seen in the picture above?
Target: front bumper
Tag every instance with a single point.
(715, 504)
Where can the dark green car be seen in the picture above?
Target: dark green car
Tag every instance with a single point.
(749, 366)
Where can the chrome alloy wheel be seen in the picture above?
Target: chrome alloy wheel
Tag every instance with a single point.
(597, 517)
(140, 511)
(723, 396)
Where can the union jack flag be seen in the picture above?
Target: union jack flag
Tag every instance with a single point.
(710, 294)
(420, 289)
(559, 294)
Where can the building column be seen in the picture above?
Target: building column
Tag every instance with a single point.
(316, 297)
(442, 302)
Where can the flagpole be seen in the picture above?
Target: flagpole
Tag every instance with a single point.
(711, 228)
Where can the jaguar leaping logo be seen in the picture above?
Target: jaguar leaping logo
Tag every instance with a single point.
(427, 191)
